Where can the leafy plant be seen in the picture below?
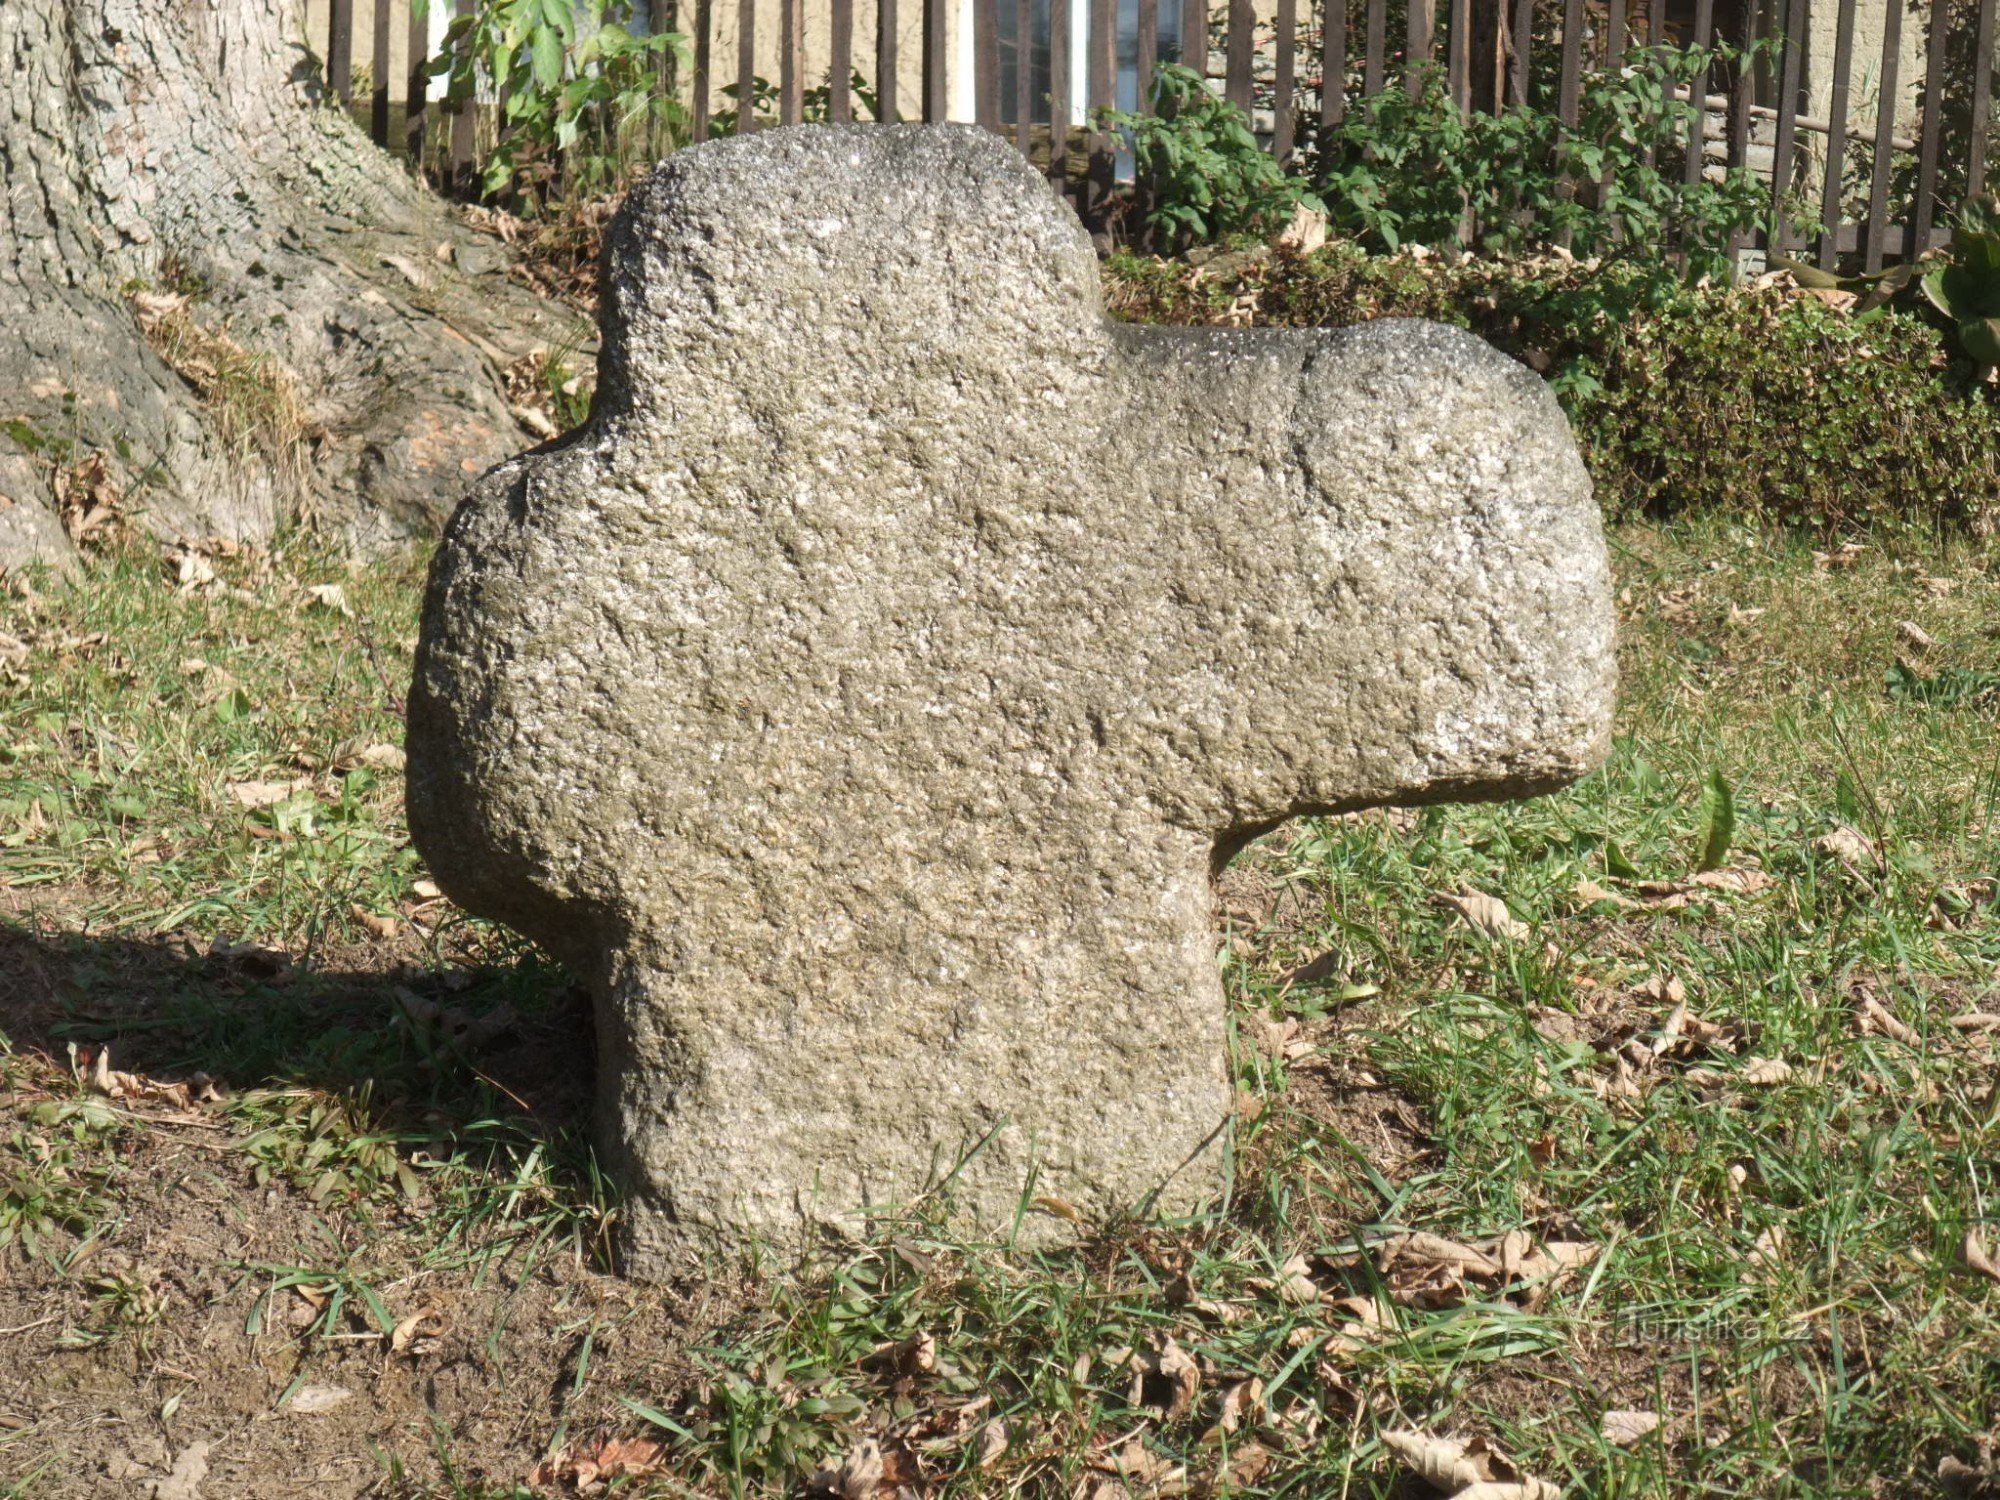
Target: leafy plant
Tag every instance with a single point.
(581, 95)
(1967, 288)
(1412, 167)
(815, 105)
(1205, 173)
(1953, 687)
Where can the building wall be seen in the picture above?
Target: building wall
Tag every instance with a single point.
(1864, 76)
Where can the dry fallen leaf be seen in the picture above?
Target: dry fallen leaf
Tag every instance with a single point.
(192, 571)
(1851, 847)
(859, 1475)
(1442, 1463)
(1468, 1471)
(383, 927)
(331, 596)
(1976, 1257)
(311, 1400)
(1622, 1429)
(1915, 636)
(1294, 1283)
(420, 1328)
(1767, 1255)
(255, 794)
(1149, 1472)
(1740, 882)
(1486, 914)
(1872, 1016)
(1589, 892)
(1420, 1249)
(1164, 1375)
(992, 1443)
(587, 1469)
(1239, 1401)
(1306, 232)
(1763, 1072)
(1963, 1481)
(184, 1481)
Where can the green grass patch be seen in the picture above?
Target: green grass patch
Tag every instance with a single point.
(1694, 1117)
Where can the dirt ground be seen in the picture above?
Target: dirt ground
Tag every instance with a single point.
(153, 1335)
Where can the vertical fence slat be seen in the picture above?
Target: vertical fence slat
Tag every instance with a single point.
(1059, 100)
(1885, 136)
(1740, 100)
(1458, 55)
(464, 131)
(1923, 210)
(1375, 46)
(746, 67)
(1149, 53)
(1240, 48)
(704, 58)
(1571, 77)
(1697, 141)
(1523, 39)
(791, 62)
(840, 63)
(1785, 144)
(1419, 35)
(1194, 35)
(1287, 79)
(1836, 140)
(887, 54)
(1333, 62)
(340, 49)
(1982, 98)
(1568, 89)
(986, 64)
(1616, 40)
(417, 86)
(1740, 97)
(1100, 83)
(937, 78)
(378, 84)
(1024, 76)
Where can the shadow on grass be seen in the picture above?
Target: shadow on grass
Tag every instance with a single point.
(435, 1050)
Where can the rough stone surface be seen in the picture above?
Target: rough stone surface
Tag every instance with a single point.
(864, 698)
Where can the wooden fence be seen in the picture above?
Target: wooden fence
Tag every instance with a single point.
(1041, 68)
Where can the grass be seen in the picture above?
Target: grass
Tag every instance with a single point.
(1704, 1146)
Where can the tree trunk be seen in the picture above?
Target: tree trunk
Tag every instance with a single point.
(220, 306)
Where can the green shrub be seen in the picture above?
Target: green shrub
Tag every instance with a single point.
(1761, 401)
(1204, 173)
(583, 95)
(1409, 167)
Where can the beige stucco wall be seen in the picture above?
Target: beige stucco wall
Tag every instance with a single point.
(1864, 76)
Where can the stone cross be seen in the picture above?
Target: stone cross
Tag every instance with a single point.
(863, 701)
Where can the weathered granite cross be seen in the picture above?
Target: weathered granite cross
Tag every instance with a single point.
(862, 701)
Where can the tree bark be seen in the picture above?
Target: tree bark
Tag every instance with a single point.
(176, 182)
